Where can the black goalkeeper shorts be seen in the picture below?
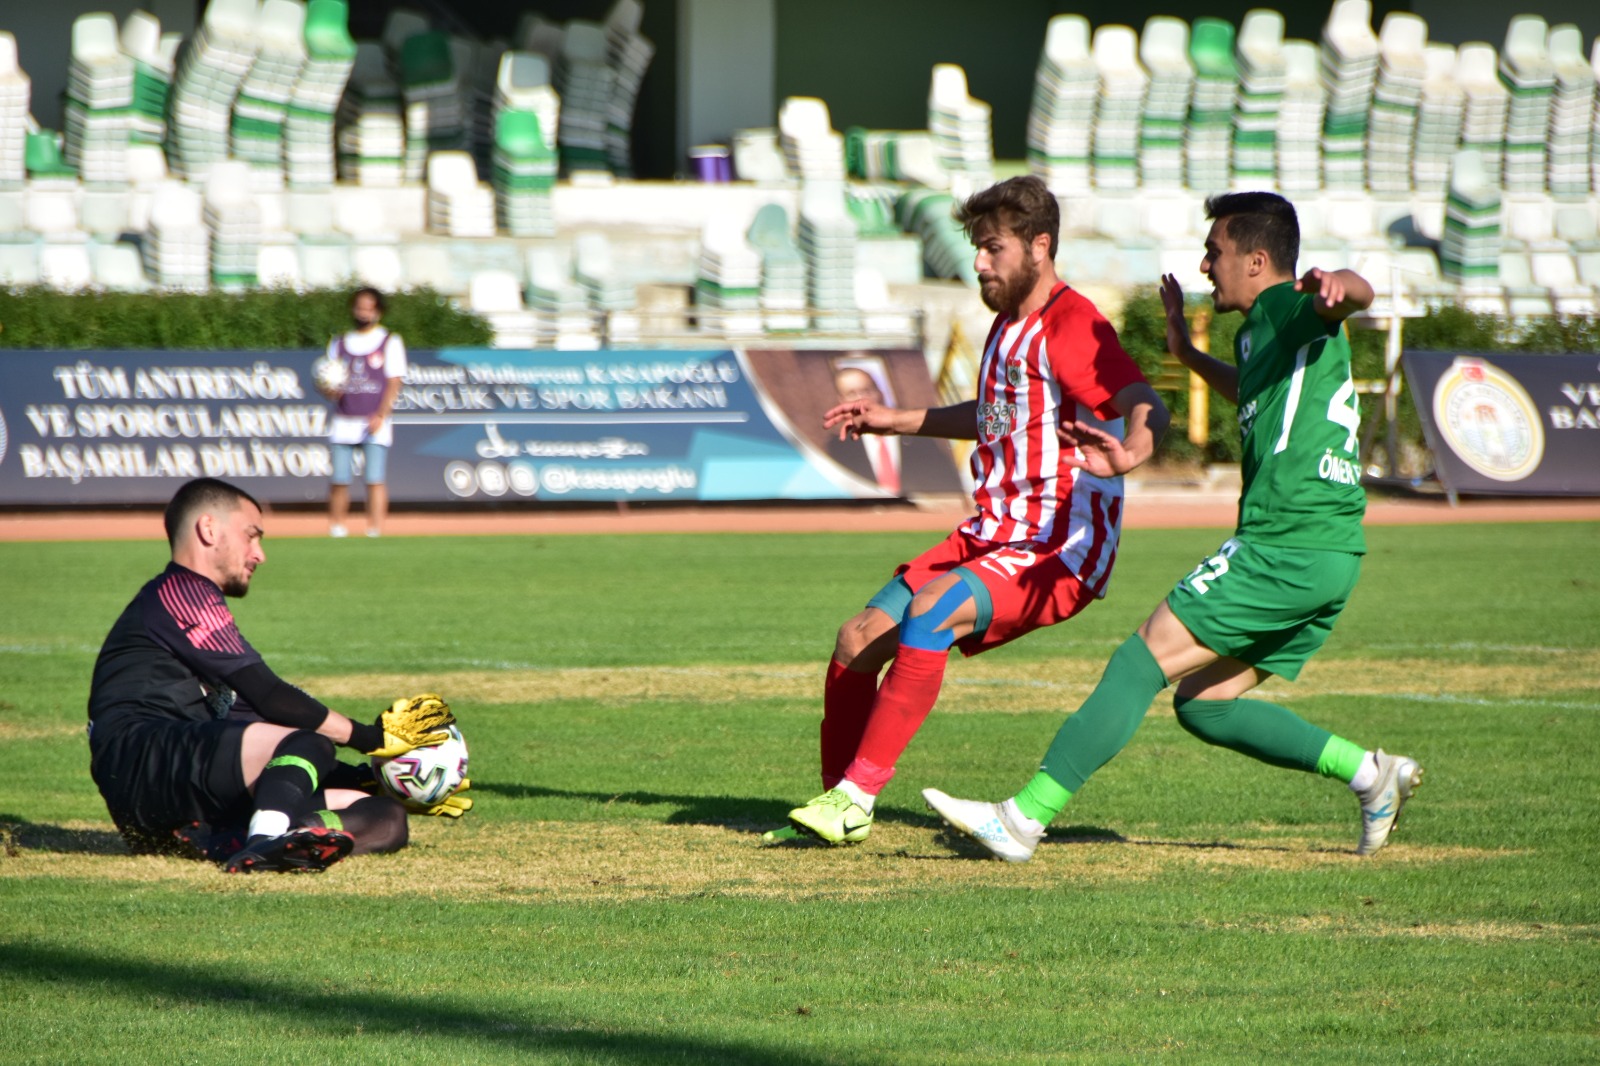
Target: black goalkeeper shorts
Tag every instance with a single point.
(158, 775)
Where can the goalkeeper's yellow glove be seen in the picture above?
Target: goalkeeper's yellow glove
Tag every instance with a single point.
(452, 806)
(415, 722)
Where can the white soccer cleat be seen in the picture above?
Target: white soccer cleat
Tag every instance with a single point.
(1398, 778)
(990, 824)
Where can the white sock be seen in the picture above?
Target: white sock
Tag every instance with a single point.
(857, 794)
(268, 824)
(1014, 815)
(1367, 776)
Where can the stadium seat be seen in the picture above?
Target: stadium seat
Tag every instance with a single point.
(428, 266)
(377, 265)
(497, 296)
(116, 268)
(65, 267)
(19, 263)
(278, 267)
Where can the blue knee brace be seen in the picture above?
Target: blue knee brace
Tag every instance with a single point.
(923, 630)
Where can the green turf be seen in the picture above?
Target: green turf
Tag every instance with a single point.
(607, 902)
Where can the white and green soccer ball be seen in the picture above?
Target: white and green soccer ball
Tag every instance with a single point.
(330, 374)
(423, 777)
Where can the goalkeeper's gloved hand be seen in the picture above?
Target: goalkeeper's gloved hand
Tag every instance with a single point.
(452, 806)
(417, 722)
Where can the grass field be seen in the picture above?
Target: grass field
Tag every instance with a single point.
(640, 708)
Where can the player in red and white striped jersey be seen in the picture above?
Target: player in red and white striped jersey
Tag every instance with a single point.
(1040, 547)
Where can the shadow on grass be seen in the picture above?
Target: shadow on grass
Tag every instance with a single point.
(19, 834)
(729, 812)
(373, 1014)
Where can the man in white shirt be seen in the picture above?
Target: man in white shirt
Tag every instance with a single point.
(376, 361)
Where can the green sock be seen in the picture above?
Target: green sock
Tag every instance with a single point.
(1261, 730)
(1042, 798)
(1100, 728)
(1340, 758)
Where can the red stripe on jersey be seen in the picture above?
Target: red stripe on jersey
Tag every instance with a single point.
(1096, 509)
(201, 613)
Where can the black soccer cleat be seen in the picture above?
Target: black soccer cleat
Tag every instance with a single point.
(199, 840)
(308, 850)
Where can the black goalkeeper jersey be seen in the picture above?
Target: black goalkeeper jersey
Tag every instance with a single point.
(168, 656)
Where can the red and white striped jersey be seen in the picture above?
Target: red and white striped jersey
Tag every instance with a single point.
(1063, 363)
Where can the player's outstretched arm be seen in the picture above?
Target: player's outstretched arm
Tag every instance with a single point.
(1340, 293)
(1224, 377)
(858, 418)
(1145, 421)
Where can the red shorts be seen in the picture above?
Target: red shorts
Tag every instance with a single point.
(1028, 589)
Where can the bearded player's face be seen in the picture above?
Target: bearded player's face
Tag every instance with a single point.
(238, 548)
(1005, 266)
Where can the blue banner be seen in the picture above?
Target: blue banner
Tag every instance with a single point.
(479, 425)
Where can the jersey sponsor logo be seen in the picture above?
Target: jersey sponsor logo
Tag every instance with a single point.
(1488, 420)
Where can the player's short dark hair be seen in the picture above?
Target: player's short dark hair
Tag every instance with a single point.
(1023, 205)
(199, 495)
(377, 298)
(1260, 222)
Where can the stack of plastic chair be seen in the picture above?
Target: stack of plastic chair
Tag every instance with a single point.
(522, 83)
(496, 295)
(1066, 88)
(176, 246)
(608, 290)
(309, 147)
(811, 147)
(1594, 139)
(371, 124)
(1396, 98)
(524, 175)
(459, 205)
(233, 216)
(758, 156)
(1528, 73)
(728, 277)
(1299, 142)
(256, 132)
(1471, 245)
(16, 90)
(585, 83)
(628, 53)
(212, 66)
(960, 127)
(1488, 101)
(99, 100)
(436, 121)
(946, 252)
(1571, 113)
(1349, 72)
(783, 269)
(1439, 113)
(557, 296)
(1164, 53)
(1263, 79)
(1209, 134)
(153, 60)
(827, 238)
(1115, 149)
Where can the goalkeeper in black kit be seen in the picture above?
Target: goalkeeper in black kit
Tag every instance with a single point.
(199, 748)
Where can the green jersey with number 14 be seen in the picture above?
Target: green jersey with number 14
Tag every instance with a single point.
(1298, 422)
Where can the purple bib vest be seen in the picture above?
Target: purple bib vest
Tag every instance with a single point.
(364, 391)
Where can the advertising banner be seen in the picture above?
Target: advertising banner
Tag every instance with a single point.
(1510, 423)
(477, 425)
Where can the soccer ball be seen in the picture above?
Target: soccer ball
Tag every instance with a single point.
(423, 777)
(330, 374)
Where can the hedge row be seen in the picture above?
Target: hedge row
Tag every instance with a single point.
(1446, 328)
(279, 319)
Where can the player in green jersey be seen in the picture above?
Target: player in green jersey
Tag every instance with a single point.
(1265, 602)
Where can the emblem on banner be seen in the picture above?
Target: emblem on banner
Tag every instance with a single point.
(1488, 420)
(2, 437)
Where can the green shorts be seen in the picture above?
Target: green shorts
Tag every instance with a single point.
(1265, 604)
